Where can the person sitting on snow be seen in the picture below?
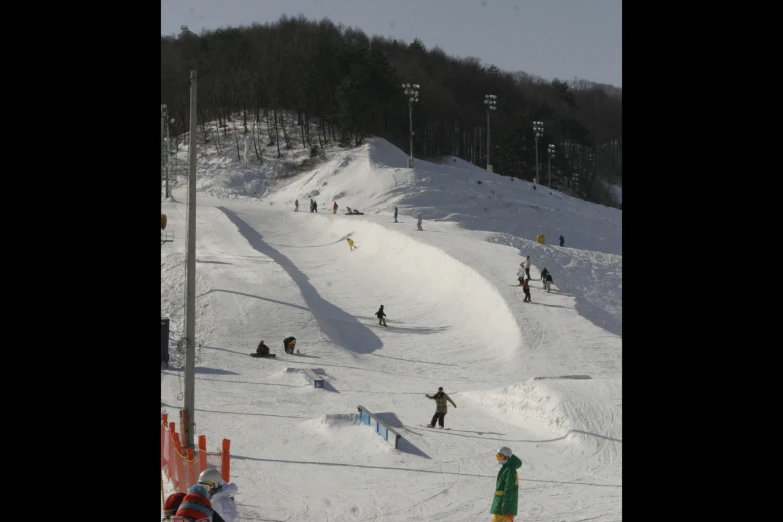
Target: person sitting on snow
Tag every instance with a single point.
(262, 350)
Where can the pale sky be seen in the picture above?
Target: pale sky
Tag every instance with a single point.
(547, 38)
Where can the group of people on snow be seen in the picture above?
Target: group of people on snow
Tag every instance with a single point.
(523, 276)
(211, 498)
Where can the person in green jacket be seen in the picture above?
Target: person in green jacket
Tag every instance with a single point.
(504, 506)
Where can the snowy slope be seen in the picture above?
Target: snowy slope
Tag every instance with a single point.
(543, 378)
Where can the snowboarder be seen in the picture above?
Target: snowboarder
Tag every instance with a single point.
(504, 503)
(296, 208)
(440, 407)
(418, 223)
(526, 289)
(262, 350)
(395, 215)
(289, 343)
(527, 267)
(562, 240)
(221, 494)
(380, 315)
(350, 244)
(521, 273)
(548, 281)
(334, 208)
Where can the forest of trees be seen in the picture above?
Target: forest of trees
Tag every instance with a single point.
(348, 86)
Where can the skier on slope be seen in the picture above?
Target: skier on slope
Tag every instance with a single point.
(418, 223)
(441, 408)
(395, 215)
(350, 244)
(334, 208)
(527, 267)
(562, 240)
(221, 494)
(296, 203)
(504, 503)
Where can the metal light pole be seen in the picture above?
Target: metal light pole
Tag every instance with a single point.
(412, 91)
(551, 149)
(538, 129)
(190, 292)
(575, 179)
(162, 156)
(489, 101)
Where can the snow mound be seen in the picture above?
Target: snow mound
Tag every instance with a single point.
(531, 405)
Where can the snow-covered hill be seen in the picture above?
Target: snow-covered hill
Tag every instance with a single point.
(543, 378)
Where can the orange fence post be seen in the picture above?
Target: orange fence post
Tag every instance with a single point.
(170, 465)
(191, 473)
(181, 486)
(225, 461)
(202, 453)
(163, 440)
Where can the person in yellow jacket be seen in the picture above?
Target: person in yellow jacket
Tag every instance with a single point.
(350, 243)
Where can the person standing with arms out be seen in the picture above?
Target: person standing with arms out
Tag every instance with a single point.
(395, 215)
(380, 315)
(527, 267)
(441, 408)
(504, 504)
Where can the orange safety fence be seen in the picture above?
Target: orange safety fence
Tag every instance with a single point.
(183, 466)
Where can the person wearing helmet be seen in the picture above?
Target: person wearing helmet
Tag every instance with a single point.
(504, 505)
(221, 494)
(441, 408)
(289, 343)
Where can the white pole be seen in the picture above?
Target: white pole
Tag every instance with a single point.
(190, 302)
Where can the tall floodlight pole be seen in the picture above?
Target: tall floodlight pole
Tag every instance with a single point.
(489, 101)
(551, 149)
(538, 129)
(162, 155)
(412, 92)
(190, 301)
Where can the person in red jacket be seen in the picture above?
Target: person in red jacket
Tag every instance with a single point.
(334, 208)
